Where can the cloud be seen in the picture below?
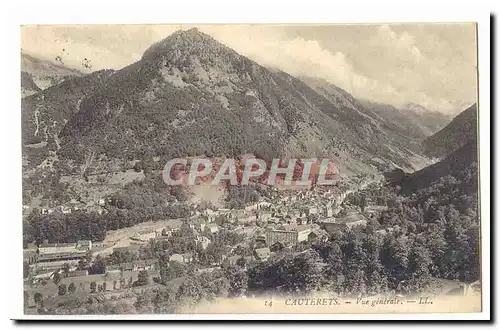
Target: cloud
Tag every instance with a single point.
(402, 44)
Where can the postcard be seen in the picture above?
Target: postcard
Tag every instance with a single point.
(205, 169)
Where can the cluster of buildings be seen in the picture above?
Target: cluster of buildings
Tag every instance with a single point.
(306, 216)
(117, 277)
(54, 254)
(73, 205)
(61, 259)
(284, 220)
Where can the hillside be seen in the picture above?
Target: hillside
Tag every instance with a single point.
(457, 144)
(403, 128)
(45, 113)
(105, 231)
(46, 73)
(438, 206)
(191, 95)
(411, 120)
(461, 130)
(461, 164)
(28, 86)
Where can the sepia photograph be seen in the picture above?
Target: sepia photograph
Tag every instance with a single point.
(186, 169)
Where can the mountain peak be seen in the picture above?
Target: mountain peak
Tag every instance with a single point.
(192, 40)
(193, 35)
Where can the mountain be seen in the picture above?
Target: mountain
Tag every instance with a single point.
(45, 113)
(28, 86)
(456, 144)
(414, 107)
(461, 164)
(46, 73)
(412, 119)
(440, 203)
(461, 130)
(403, 129)
(191, 95)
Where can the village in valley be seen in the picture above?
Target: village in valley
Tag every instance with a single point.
(259, 232)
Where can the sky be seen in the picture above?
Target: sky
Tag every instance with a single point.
(433, 65)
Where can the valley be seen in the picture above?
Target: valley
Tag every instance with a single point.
(402, 214)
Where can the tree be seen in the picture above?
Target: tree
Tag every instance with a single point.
(471, 270)
(71, 287)
(142, 278)
(293, 274)
(418, 267)
(362, 202)
(437, 246)
(26, 297)
(225, 264)
(84, 263)
(374, 271)
(164, 301)
(65, 268)
(276, 247)
(57, 278)
(305, 272)
(26, 269)
(118, 257)
(355, 280)
(332, 254)
(143, 304)
(93, 287)
(169, 271)
(355, 262)
(38, 298)
(190, 289)
(238, 281)
(98, 266)
(394, 257)
(62, 290)
(241, 262)
(214, 284)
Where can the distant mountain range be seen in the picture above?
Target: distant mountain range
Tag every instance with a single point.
(411, 119)
(192, 95)
(46, 73)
